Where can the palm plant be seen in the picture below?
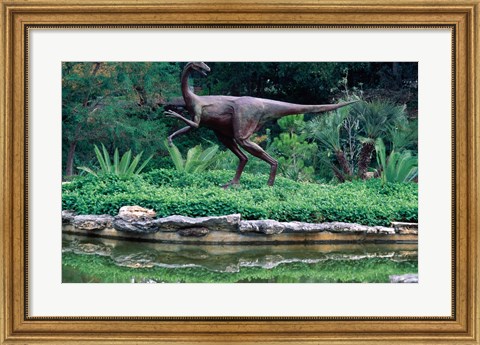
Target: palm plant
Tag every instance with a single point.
(326, 130)
(404, 136)
(398, 167)
(197, 159)
(124, 166)
(376, 118)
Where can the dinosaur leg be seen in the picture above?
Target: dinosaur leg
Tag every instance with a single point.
(230, 143)
(171, 113)
(174, 134)
(258, 152)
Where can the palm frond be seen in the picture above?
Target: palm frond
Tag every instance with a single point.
(144, 164)
(399, 167)
(125, 161)
(176, 157)
(106, 160)
(123, 166)
(192, 158)
(116, 162)
(88, 170)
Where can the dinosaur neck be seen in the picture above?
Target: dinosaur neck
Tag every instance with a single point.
(188, 95)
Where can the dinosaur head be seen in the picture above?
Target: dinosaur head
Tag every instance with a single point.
(200, 67)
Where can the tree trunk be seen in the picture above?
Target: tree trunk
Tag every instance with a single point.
(338, 174)
(142, 95)
(70, 157)
(365, 159)
(342, 160)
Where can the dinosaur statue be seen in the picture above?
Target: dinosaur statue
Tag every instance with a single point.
(235, 119)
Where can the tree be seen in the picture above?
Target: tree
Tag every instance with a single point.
(118, 104)
(296, 155)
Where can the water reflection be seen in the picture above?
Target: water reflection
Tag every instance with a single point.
(229, 258)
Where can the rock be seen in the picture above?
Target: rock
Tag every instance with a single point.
(405, 228)
(136, 213)
(135, 219)
(221, 223)
(92, 222)
(384, 230)
(268, 227)
(339, 227)
(139, 226)
(67, 216)
(404, 278)
(193, 232)
(305, 227)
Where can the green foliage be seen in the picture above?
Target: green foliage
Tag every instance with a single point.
(197, 159)
(295, 153)
(116, 103)
(97, 269)
(170, 192)
(399, 167)
(124, 167)
(348, 135)
(121, 105)
(377, 117)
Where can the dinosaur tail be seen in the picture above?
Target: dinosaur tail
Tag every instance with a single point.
(285, 109)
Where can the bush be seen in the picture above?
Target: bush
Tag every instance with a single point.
(169, 192)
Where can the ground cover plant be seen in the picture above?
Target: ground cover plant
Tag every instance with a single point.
(168, 192)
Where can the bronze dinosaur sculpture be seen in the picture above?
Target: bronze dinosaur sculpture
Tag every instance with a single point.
(235, 119)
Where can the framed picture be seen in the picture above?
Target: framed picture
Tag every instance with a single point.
(54, 49)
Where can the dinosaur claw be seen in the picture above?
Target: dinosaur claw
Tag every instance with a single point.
(171, 113)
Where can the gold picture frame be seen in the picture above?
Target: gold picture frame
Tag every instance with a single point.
(17, 327)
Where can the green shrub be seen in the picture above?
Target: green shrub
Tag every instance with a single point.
(169, 192)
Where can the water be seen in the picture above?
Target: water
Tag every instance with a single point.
(95, 260)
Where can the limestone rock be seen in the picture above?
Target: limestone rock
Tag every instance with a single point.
(339, 227)
(93, 222)
(135, 219)
(404, 278)
(305, 227)
(405, 228)
(220, 223)
(132, 225)
(67, 216)
(268, 226)
(384, 230)
(193, 232)
(136, 213)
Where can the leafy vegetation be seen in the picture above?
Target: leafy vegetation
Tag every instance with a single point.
(124, 167)
(399, 167)
(295, 154)
(197, 159)
(170, 192)
(97, 269)
(347, 137)
(121, 104)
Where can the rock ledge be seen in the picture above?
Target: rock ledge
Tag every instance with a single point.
(139, 220)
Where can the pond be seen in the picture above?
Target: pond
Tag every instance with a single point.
(98, 260)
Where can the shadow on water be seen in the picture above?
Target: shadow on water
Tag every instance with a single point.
(96, 260)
